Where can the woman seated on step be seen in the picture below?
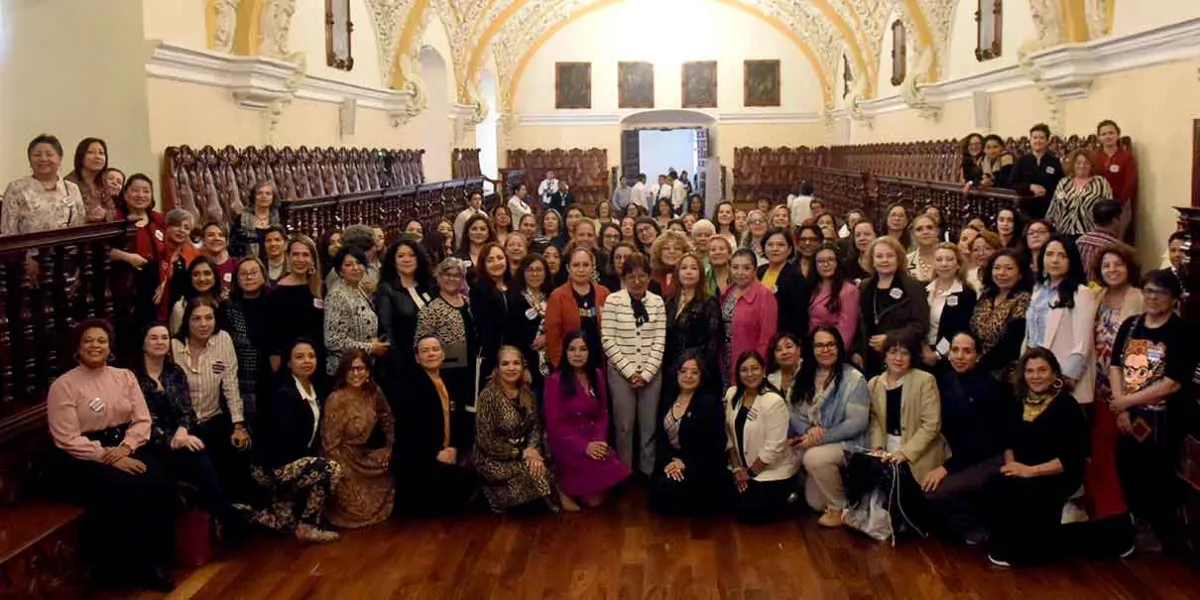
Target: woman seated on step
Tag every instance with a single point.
(358, 432)
(762, 463)
(508, 440)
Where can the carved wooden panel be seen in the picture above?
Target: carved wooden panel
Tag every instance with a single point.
(586, 171)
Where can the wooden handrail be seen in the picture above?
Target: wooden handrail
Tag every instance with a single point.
(77, 235)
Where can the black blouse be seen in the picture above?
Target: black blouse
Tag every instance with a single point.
(697, 329)
(170, 406)
(1059, 432)
(293, 312)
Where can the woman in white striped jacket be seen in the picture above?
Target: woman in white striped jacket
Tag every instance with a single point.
(634, 334)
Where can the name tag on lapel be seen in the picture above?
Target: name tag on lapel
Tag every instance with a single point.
(752, 414)
(96, 404)
(1050, 170)
(952, 301)
(896, 293)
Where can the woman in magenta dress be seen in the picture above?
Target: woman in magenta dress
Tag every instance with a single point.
(576, 407)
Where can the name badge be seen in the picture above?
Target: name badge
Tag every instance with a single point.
(228, 277)
(318, 304)
(218, 368)
(952, 301)
(943, 347)
(467, 264)
(774, 289)
(1114, 168)
(531, 314)
(751, 414)
(96, 404)
(1050, 170)
(896, 293)
(158, 234)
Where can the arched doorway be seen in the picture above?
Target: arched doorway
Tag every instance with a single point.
(654, 142)
(485, 132)
(434, 125)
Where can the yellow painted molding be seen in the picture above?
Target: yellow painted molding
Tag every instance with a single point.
(412, 24)
(921, 24)
(484, 41)
(778, 25)
(1074, 16)
(249, 22)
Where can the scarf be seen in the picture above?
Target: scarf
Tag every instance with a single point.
(1035, 404)
(640, 315)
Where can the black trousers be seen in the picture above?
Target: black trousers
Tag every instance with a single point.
(698, 493)
(196, 469)
(958, 507)
(130, 525)
(762, 502)
(1147, 472)
(232, 466)
(1026, 524)
(434, 489)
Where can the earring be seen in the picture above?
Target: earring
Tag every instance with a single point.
(1058, 384)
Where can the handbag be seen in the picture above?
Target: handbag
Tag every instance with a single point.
(876, 490)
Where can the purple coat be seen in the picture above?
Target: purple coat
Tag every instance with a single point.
(571, 423)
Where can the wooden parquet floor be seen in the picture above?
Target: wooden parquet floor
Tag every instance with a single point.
(622, 551)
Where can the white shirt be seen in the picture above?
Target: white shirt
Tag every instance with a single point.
(639, 196)
(311, 398)
(517, 208)
(937, 303)
(461, 220)
(801, 208)
(664, 190)
(678, 195)
(547, 188)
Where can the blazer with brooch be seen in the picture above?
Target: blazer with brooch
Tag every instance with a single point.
(755, 317)
(562, 317)
(764, 436)
(701, 436)
(1070, 332)
(632, 349)
(957, 310)
(920, 420)
(287, 428)
(792, 293)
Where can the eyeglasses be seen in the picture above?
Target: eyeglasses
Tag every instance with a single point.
(358, 369)
(1153, 291)
(825, 346)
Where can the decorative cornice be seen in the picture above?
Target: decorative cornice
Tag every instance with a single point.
(769, 117)
(258, 81)
(557, 119)
(1067, 70)
(570, 119)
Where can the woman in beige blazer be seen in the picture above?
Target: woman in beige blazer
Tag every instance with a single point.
(762, 462)
(1062, 316)
(906, 410)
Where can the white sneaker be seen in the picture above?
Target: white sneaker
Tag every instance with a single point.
(996, 561)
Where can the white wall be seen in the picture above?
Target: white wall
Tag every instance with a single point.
(662, 151)
(1017, 29)
(698, 30)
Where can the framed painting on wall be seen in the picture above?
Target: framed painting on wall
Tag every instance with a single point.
(337, 35)
(635, 85)
(761, 83)
(700, 84)
(572, 85)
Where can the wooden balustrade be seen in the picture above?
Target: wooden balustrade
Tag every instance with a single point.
(389, 209)
(586, 171)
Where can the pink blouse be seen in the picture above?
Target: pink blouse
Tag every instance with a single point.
(83, 400)
(845, 320)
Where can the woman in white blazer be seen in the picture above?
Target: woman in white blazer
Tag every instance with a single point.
(763, 464)
(634, 334)
(1062, 316)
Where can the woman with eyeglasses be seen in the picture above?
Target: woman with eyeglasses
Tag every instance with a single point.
(358, 432)
(829, 412)
(756, 233)
(449, 318)
(762, 462)
(1153, 361)
(808, 237)
(834, 300)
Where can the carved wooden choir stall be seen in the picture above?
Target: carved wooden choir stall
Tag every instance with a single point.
(586, 171)
(873, 176)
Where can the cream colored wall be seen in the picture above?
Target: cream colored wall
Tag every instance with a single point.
(73, 68)
(623, 32)
(607, 137)
(307, 35)
(1012, 112)
(1132, 16)
(883, 81)
(964, 38)
(180, 22)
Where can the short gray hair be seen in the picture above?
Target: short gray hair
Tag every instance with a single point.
(177, 216)
(449, 264)
(359, 236)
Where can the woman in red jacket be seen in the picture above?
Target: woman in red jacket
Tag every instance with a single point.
(575, 306)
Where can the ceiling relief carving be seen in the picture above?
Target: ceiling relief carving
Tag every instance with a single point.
(387, 17)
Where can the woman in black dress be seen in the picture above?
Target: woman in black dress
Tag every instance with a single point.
(694, 323)
(296, 307)
(1047, 446)
(690, 471)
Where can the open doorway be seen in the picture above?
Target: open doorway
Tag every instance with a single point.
(663, 150)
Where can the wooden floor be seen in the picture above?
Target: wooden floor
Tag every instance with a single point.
(622, 551)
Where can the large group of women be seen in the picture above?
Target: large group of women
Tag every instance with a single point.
(731, 361)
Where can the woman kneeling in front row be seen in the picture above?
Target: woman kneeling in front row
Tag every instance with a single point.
(690, 471)
(756, 419)
(508, 439)
(286, 460)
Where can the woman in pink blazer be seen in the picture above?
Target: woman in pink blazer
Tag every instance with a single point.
(1062, 316)
(749, 314)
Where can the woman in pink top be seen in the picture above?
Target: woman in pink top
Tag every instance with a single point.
(835, 299)
(749, 314)
(99, 420)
